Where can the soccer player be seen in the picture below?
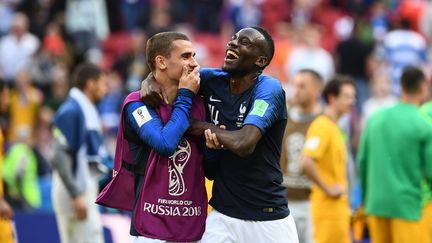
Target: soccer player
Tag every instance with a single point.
(77, 159)
(324, 159)
(249, 200)
(395, 156)
(307, 86)
(170, 198)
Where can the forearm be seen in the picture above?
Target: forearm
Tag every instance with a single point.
(165, 138)
(309, 168)
(241, 142)
(62, 163)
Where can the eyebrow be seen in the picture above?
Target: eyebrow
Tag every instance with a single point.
(188, 54)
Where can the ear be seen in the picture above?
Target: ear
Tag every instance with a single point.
(160, 62)
(262, 61)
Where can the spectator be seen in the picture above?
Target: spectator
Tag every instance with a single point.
(309, 55)
(132, 65)
(20, 172)
(24, 107)
(397, 140)
(17, 48)
(6, 213)
(352, 58)
(244, 13)
(87, 23)
(135, 13)
(403, 47)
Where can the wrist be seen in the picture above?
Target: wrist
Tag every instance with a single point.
(185, 92)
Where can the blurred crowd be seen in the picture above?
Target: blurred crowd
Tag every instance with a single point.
(42, 41)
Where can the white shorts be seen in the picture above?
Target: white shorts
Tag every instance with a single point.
(224, 229)
(143, 239)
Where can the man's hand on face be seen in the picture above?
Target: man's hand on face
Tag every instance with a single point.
(190, 79)
(151, 93)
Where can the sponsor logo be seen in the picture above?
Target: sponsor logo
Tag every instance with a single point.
(213, 99)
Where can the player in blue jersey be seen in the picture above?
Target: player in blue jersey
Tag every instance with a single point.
(248, 197)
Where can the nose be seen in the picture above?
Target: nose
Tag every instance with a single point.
(232, 43)
(193, 63)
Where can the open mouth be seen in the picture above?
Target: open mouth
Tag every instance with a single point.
(231, 55)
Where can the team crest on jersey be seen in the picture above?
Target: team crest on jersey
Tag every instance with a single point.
(242, 111)
(176, 164)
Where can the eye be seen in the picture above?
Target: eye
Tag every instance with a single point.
(244, 41)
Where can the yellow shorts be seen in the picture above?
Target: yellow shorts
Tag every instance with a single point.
(385, 230)
(333, 229)
(426, 223)
(6, 233)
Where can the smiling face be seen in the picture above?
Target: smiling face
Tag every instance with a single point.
(245, 53)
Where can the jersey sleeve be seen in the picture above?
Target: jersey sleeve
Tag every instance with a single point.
(70, 123)
(316, 141)
(268, 106)
(147, 124)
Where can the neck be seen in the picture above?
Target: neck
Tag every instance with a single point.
(313, 107)
(241, 84)
(89, 96)
(412, 99)
(169, 87)
(332, 113)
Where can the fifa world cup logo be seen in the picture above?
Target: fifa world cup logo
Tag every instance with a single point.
(176, 163)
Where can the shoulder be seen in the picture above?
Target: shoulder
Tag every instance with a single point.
(323, 123)
(208, 73)
(269, 85)
(69, 108)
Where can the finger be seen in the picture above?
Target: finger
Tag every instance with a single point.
(222, 127)
(206, 133)
(215, 140)
(185, 71)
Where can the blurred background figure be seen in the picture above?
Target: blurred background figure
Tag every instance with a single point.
(77, 158)
(403, 47)
(397, 140)
(308, 54)
(24, 107)
(353, 58)
(6, 213)
(87, 24)
(17, 48)
(323, 160)
(304, 108)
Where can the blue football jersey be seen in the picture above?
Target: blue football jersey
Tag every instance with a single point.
(249, 187)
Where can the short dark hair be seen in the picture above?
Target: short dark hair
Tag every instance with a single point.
(411, 79)
(334, 86)
(270, 47)
(161, 44)
(85, 72)
(313, 73)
